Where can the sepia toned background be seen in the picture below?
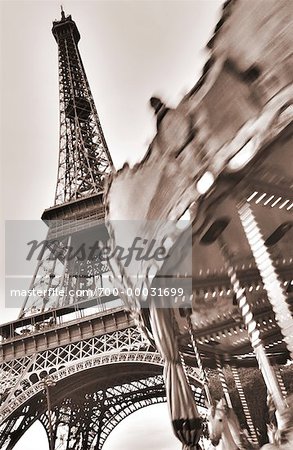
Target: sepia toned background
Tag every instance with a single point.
(131, 50)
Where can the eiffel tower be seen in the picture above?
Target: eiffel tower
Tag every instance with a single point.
(76, 361)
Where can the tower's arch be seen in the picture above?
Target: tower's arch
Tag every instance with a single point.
(91, 397)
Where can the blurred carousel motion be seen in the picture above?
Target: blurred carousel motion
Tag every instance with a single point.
(222, 160)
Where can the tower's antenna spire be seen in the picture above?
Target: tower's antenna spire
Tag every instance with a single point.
(62, 13)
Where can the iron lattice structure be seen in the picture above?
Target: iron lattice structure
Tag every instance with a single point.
(84, 162)
(97, 381)
(84, 159)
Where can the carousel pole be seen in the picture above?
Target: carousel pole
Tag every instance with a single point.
(184, 366)
(202, 372)
(248, 418)
(272, 284)
(253, 333)
(223, 381)
(281, 382)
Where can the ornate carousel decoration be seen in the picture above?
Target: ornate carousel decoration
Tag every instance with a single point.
(214, 194)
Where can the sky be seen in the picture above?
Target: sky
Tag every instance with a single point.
(131, 51)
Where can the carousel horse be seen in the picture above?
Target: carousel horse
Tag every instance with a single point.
(272, 425)
(282, 434)
(224, 429)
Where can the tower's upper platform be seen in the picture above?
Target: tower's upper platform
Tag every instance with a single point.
(64, 26)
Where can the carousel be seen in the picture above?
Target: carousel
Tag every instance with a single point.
(215, 194)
